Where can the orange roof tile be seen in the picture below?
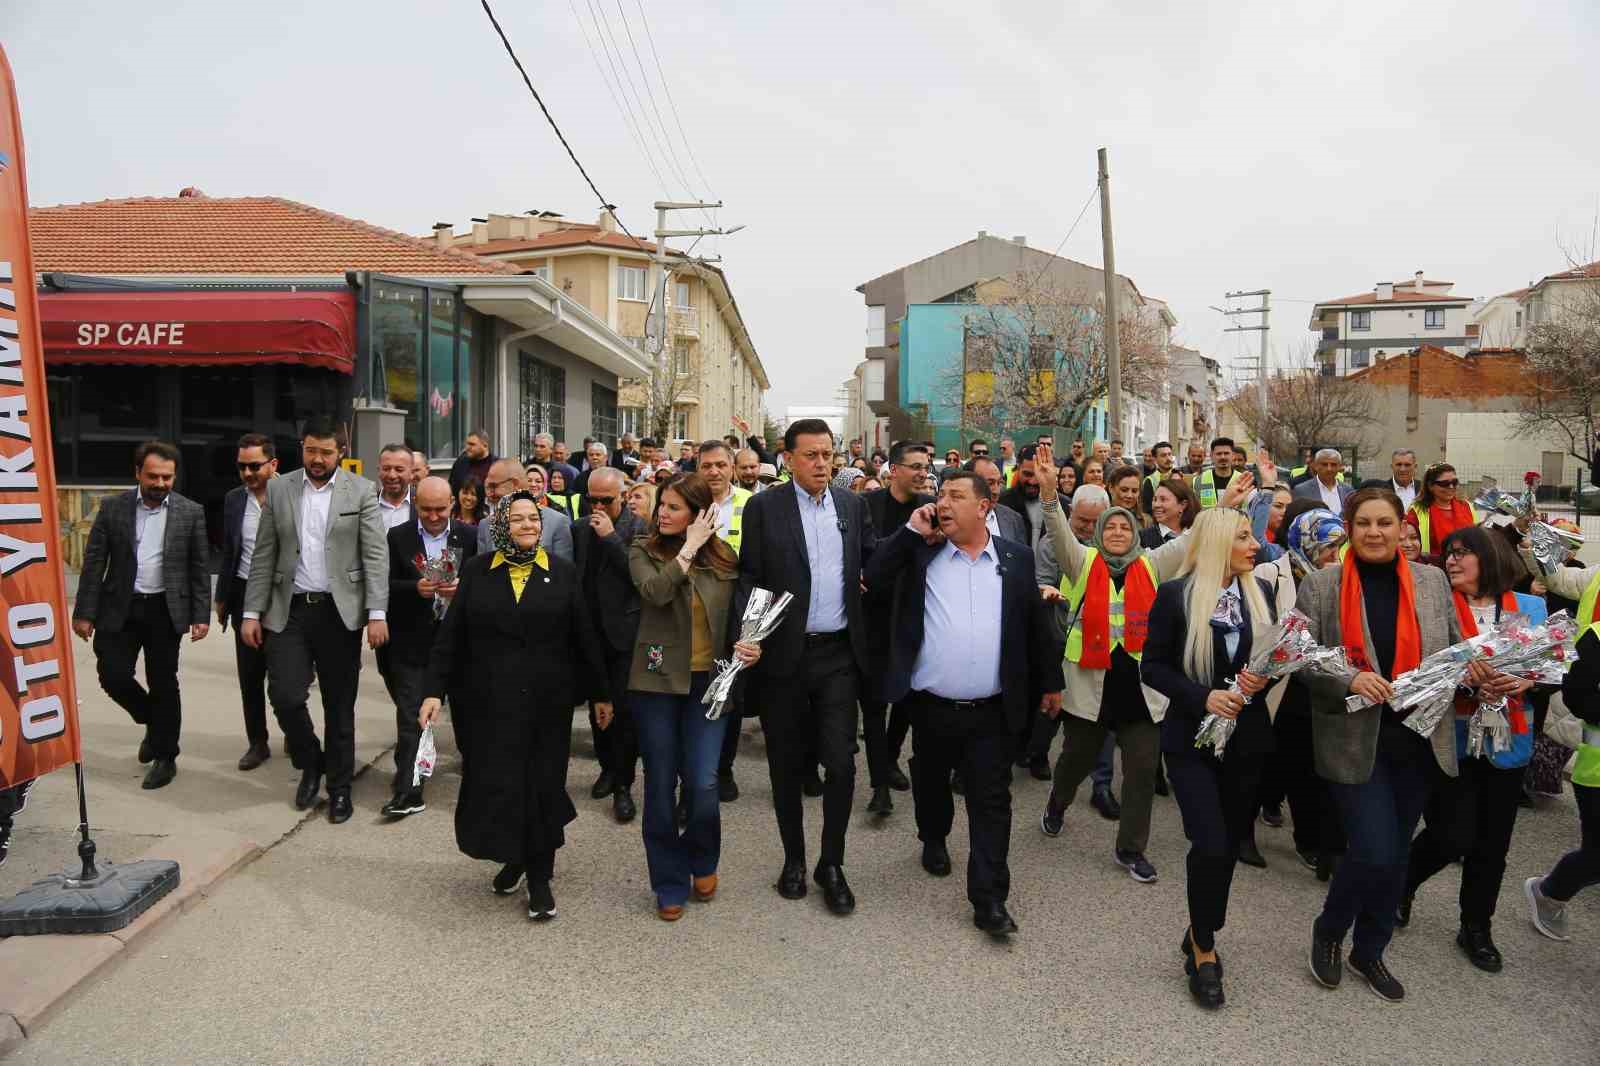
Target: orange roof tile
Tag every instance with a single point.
(229, 235)
(1400, 296)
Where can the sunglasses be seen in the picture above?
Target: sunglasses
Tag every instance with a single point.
(978, 454)
(251, 468)
(1450, 484)
(601, 501)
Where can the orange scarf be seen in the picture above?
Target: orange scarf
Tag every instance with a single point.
(1442, 522)
(1138, 596)
(1407, 630)
(1469, 628)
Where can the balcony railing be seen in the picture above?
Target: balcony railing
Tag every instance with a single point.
(685, 322)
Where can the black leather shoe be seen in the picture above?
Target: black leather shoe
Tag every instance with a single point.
(1039, 767)
(1103, 801)
(1475, 941)
(147, 755)
(603, 786)
(305, 797)
(1251, 855)
(1187, 947)
(339, 808)
(622, 807)
(403, 804)
(1402, 913)
(1205, 985)
(881, 803)
(899, 781)
(727, 788)
(994, 919)
(254, 756)
(835, 889)
(509, 877)
(812, 785)
(162, 771)
(792, 881)
(936, 859)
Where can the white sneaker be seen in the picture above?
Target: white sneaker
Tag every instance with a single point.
(1549, 917)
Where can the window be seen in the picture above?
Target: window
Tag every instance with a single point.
(680, 359)
(1433, 318)
(630, 420)
(1360, 321)
(680, 297)
(875, 326)
(1359, 357)
(397, 314)
(542, 405)
(444, 412)
(603, 413)
(98, 415)
(1519, 319)
(421, 352)
(680, 423)
(630, 283)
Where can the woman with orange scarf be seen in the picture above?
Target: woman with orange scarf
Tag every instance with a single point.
(1388, 614)
(1470, 816)
(1438, 512)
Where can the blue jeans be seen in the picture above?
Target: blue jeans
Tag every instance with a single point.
(676, 741)
(1379, 818)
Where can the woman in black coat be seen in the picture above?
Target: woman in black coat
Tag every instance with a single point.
(1193, 667)
(516, 652)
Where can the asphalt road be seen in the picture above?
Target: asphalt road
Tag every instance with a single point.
(381, 943)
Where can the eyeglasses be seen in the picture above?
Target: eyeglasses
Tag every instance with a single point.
(251, 468)
(1450, 484)
(601, 501)
(500, 486)
(1458, 552)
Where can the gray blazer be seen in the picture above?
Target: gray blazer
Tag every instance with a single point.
(356, 554)
(1012, 527)
(555, 534)
(1345, 743)
(105, 588)
(1311, 489)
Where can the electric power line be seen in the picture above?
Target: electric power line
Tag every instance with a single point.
(627, 76)
(633, 130)
(628, 116)
(604, 203)
(672, 153)
(672, 105)
(1063, 242)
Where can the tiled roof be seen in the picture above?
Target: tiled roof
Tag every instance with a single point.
(561, 238)
(230, 235)
(1589, 270)
(1400, 296)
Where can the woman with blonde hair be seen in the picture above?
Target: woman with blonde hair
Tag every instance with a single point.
(1194, 666)
(642, 500)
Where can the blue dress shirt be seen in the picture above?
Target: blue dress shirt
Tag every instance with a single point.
(825, 553)
(960, 654)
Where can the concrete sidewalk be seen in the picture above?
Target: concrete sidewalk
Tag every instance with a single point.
(212, 819)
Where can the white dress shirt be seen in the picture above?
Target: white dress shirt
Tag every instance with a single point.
(432, 546)
(311, 572)
(825, 553)
(1330, 496)
(149, 534)
(247, 533)
(960, 654)
(393, 514)
(1407, 493)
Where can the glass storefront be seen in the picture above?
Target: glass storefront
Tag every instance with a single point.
(424, 346)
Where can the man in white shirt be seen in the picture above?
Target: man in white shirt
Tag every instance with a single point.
(320, 570)
(396, 470)
(1326, 486)
(1403, 468)
(241, 520)
(716, 466)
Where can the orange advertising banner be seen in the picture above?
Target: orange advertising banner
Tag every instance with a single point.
(39, 707)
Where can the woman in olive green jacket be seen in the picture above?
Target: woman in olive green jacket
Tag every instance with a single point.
(686, 577)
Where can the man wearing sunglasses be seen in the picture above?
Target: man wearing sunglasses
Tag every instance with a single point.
(600, 552)
(241, 517)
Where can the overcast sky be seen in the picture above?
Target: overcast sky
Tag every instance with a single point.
(1307, 148)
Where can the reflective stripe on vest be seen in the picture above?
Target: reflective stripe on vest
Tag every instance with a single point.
(1206, 489)
(736, 522)
(1080, 588)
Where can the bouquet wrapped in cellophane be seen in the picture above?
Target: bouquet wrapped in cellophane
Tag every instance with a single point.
(1542, 654)
(1550, 545)
(444, 569)
(1289, 648)
(762, 614)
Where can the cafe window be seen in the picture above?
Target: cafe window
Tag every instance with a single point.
(422, 343)
(603, 413)
(444, 309)
(98, 416)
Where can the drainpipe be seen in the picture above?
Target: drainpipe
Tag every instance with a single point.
(503, 360)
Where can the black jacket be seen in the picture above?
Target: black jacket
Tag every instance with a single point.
(1151, 537)
(410, 617)
(772, 555)
(607, 586)
(1162, 669)
(879, 602)
(1581, 687)
(1030, 659)
(233, 505)
(1017, 500)
(105, 587)
(463, 469)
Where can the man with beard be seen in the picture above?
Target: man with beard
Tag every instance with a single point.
(1196, 464)
(144, 583)
(1161, 454)
(241, 519)
(396, 468)
(1023, 497)
(473, 462)
(1214, 482)
(747, 469)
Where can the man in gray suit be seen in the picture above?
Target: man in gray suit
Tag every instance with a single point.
(144, 582)
(1003, 521)
(320, 570)
(1325, 486)
(507, 476)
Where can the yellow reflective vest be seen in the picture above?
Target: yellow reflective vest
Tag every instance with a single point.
(735, 534)
(1586, 770)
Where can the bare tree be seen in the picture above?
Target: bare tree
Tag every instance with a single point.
(674, 377)
(1033, 354)
(1564, 357)
(1305, 408)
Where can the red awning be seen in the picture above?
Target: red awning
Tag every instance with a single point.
(200, 328)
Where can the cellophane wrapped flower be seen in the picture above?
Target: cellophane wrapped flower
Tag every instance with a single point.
(1289, 648)
(1550, 545)
(443, 569)
(427, 756)
(761, 616)
(1542, 654)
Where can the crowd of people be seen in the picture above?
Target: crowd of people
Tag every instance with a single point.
(980, 606)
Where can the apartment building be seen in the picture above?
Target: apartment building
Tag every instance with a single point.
(1506, 320)
(717, 382)
(1394, 318)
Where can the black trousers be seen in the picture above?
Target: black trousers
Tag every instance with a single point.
(1469, 817)
(977, 742)
(1217, 798)
(402, 676)
(814, 707)
(251, 664)
(617, 747)
(885, 730)
(1316, 819)
(314, 638)
(155, 704)
(1580, 868)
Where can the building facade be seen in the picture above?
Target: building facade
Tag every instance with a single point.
(1355, 332)
(715, 382)
(1506, 320)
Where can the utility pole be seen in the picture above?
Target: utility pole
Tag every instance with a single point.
(657, 325)
(1113, 342)
(1263, 367)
